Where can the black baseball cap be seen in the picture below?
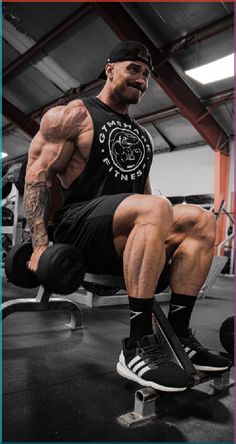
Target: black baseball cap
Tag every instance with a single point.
(129, 50)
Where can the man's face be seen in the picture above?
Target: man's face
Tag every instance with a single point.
(129, 80)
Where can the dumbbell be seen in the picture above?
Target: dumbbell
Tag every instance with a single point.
(60, 269)
(227, 335)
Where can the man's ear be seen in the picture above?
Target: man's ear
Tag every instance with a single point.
(109, 70)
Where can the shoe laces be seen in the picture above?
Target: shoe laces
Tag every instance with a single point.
(154, 354)
(190, 341)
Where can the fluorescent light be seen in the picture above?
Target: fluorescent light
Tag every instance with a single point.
(4, 155)
(211, 72)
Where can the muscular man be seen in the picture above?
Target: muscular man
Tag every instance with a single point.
(102, 159)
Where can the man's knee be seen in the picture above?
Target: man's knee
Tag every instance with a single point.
(154, 210)
(145, 210)
(203, 223)
(208, 225)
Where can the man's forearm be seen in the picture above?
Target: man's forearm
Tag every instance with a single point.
(37, 199)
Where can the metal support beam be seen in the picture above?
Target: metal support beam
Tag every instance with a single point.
(220, 98)
(19, 63)
(72, 94)
(222, 169)
(212, 101)
(198, 35)
(189, 105)
(171, 146)
(24, 122)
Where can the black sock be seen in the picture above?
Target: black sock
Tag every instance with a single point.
(140, 319)
(181, 307)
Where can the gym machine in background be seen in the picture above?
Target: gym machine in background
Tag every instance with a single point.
(14, 229)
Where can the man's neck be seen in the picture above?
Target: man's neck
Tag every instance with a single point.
(106, 97)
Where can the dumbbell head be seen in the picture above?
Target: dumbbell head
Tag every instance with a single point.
(227, 335)
(61, 269)
(16, 266)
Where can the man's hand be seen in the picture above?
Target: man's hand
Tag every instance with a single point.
(34, 260)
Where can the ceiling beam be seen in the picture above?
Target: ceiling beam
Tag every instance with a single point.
(73, 94)
(123, 25)
(169, 50)
(199, 35)
(212, 101)
(27, 56)
(168, 141)
(220, 98)
(180, 147)
(46, 65)
(24, 122)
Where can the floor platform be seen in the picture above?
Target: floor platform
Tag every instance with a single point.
(62, 386)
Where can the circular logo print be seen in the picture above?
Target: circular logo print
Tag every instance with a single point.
(126, 149)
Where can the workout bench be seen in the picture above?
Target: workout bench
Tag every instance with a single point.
(145, 398)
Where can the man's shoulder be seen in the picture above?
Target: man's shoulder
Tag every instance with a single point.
(57, 121)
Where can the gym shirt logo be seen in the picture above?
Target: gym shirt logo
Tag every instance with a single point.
(124, 149)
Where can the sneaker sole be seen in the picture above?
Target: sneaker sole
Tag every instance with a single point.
(128, 374)
(205, 368)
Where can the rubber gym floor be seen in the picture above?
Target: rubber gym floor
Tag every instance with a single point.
(62, 386)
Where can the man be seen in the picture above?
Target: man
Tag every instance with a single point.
(102, 159)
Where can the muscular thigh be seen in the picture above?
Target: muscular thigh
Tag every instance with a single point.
(139, 209)
(185, 217)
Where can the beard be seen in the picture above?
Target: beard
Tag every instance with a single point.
(127, 94)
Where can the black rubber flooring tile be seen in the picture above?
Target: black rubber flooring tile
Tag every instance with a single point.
(38, 349)
(88, 411)
(62, 386)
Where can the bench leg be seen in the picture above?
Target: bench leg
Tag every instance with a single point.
(144, 407)
(44, 302)
(222, 382)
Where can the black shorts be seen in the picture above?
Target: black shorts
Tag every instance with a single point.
(88, 226)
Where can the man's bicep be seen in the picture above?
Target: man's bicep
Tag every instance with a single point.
(52, 148)
(46, 159)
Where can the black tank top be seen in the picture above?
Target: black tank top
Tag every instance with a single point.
(119, 160)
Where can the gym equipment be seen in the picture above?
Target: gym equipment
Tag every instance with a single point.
(19, 176)
(112, 287)
(217, 266)
(45, 301)
(227, 335)
(101, 290)
(16, 266)
(145, 398)
(6, 189)
(7, 217)
(60, 270)
(10, 175)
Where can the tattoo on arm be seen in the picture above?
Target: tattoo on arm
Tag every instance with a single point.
(37, 199)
